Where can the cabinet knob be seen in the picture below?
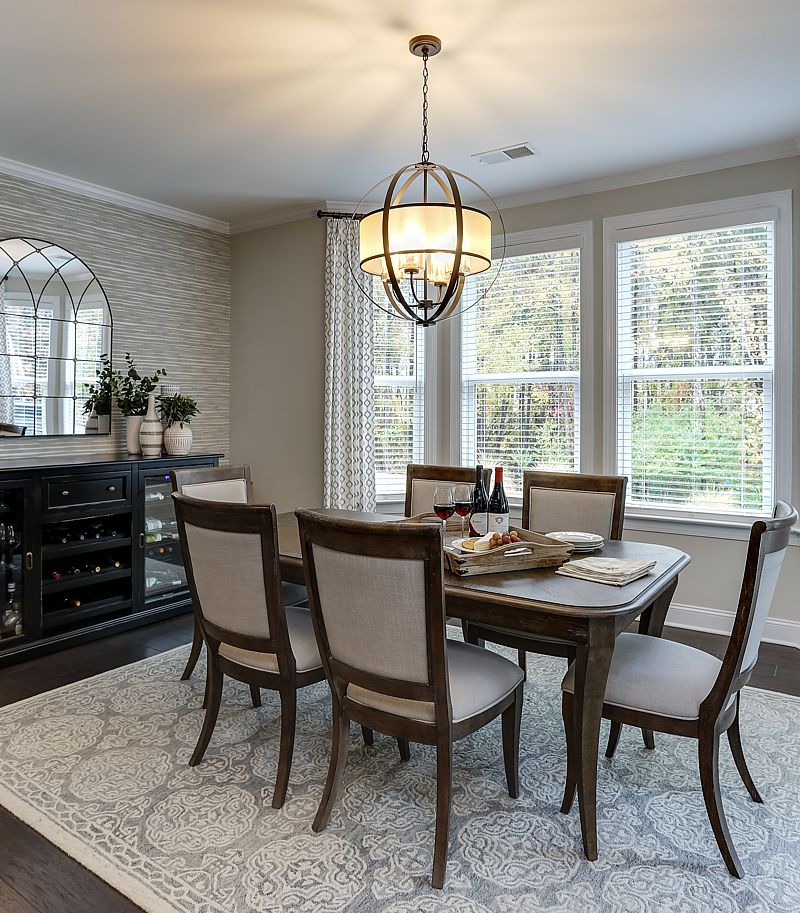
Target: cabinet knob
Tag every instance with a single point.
(29, 561)
(141, 540)
(112, 488)
(65, 493)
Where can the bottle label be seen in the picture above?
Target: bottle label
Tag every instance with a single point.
(479, 524)
(498, 523)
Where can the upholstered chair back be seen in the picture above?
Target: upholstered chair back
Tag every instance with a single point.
(422, 481)
(574, 501)
(214, 483)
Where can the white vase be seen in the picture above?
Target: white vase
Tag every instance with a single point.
(91, 423)
(133, 423)
(151, 433)
(178, 439)
(104, 424)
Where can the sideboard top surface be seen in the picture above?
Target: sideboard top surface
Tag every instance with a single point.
(9, 464)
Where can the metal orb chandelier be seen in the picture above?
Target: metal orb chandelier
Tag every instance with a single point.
(424, 241)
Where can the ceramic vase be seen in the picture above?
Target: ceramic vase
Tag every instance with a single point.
(151, 433)
(178, 439)
(91, 423)
(104, 424)
(132, 425)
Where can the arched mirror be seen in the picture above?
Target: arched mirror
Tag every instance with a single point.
(55, 323)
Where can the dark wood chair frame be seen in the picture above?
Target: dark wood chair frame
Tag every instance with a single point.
(13, 429)
(198, 476)
(260, 520)
(716, 717)
(427, 473)
(416, 542)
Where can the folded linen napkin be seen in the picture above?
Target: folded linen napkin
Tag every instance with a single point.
(613, 571)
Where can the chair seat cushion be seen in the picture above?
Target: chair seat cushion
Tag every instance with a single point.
(301, 638)
(479, 679)
(657, 676)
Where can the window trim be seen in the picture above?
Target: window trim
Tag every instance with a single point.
(774, 207)
(542, 240)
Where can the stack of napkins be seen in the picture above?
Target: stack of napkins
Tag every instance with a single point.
(614, 571)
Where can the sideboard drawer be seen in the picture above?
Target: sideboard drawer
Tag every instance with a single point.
(110, 490)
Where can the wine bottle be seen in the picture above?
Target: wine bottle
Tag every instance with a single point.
(150, 538)
(480, 506)
(498, 505)
(113, 564)
(55, 575)
(70, 602)
(92, 567)
(154, 496)
(152, 524)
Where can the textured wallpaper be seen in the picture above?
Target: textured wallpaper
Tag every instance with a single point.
(168, 285)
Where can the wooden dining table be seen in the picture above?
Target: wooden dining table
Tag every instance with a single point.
(543, 603)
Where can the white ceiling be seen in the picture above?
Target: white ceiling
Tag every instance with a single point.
(237, 108)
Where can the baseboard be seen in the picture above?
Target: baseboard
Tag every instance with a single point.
(714, 621)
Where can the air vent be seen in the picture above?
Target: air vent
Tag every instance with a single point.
(507, 154)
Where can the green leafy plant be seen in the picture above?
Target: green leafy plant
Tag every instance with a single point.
(101, 391)
(177, 409)
(132, 388)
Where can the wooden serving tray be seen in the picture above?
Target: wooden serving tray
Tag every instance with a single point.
(539, 551)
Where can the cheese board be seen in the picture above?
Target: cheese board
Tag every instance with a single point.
(531, 551)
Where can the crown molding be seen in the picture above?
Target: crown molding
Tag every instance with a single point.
(733, 159)
(277, 217)
(108, 195)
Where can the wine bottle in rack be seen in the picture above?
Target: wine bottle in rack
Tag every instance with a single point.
(153, 524)
(70, 602)
(498, 505)
(93, 567)
(154, 496)
(151, 538)
(113, 564)
(480, 506)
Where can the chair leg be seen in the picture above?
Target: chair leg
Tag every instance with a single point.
(367, 735)
(207, 689)
(288, 717)
(469, 636)
(339, 738)
(571, 782)
(709, 777)
(213, 700)
(194, 653)
(511, 719)
(522, 661)
(255, 694)
(649, 739)
(444, 775)
(735, 741)
(613, 739)
(405, 749)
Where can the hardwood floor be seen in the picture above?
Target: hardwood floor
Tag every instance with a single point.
(36, 877)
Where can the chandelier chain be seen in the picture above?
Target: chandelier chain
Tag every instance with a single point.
(425, 154)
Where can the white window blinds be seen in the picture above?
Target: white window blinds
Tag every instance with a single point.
(695, 365)
(520, 367)
(398, 359)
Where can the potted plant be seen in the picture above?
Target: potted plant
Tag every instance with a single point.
(98, 402)
(177, 411)
(132, 391)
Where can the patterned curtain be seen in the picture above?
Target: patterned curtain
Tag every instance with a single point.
(349, 460)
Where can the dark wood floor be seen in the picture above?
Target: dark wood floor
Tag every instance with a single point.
(36, 877)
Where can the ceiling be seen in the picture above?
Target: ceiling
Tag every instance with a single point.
(240, 108)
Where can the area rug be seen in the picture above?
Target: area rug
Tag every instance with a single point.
(100, 768)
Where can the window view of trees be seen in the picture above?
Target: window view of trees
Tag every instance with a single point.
(520, 367)
(695, 367)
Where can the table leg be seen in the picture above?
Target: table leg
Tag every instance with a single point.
(651, 621)
(591, 673)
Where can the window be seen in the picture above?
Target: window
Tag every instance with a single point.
(697, 320)
(521, 364)
(398, 358)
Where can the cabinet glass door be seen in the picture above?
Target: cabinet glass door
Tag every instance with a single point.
(13, 554)
(163, 562)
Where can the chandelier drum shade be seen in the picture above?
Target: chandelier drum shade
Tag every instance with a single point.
(424, 241)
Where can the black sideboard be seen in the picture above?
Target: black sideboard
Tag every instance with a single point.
(88, 547)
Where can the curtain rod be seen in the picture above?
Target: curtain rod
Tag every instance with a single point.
(323, 214)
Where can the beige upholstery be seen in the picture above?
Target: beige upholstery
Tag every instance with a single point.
(478, 679)
(657, 676)
(554, 509)
(374, 612)
(229, 575)
(422, 491)
(233, 491)
(301, 638)
(770, 570)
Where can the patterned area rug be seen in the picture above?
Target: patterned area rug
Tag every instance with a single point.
(100, 768)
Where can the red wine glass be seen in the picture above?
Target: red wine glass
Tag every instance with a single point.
(444, 505)
(463, 503)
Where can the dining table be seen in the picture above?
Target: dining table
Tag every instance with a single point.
(540, 602)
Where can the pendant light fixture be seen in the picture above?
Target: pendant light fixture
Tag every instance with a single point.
(424, 241)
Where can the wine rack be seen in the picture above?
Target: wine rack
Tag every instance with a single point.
(87, 547)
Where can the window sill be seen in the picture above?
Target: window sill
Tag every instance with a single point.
(693, 526)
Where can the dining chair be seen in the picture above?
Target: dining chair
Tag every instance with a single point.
(422, 480)
(377, 599)
(9, 430)
(231, 557)
(560, 501)
(673, 688)
(233, 485)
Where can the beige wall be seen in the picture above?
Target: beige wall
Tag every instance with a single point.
(277, 277)
(277, 290)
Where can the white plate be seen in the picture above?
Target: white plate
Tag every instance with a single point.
(456, 546)
(578, 539)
